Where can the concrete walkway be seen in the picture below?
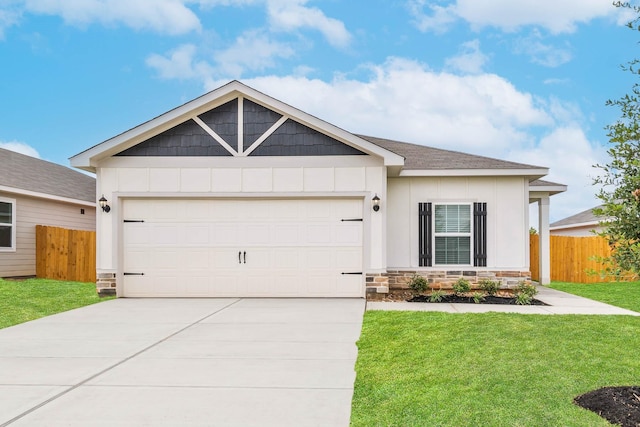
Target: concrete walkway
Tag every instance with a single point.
(183, 362)
(559, 303)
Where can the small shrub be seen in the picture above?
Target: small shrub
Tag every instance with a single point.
(461, 286)
(490, 287)
(437, 295)
(418, 284)
(477, 297)
(524, 293)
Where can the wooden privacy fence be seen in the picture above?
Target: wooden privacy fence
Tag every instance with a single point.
(64, 254)
(571, 258)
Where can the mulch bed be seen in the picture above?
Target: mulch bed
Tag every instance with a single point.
(466, 300)
(618, 405)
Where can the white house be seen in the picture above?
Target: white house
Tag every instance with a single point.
(238, 194)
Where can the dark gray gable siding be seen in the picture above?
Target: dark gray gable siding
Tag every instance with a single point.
(295, 139)
(224, 121)
(185, 139)
(257, 120)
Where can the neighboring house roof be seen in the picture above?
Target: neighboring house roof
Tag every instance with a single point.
(584, 218)
(28, 175)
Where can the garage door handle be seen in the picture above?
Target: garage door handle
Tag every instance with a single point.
(355, 272)
(245, 256)
(239, 257)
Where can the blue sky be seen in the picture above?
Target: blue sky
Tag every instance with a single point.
(525, 81)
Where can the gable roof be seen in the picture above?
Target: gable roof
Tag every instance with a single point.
(586, 217)
(89, 158)
(27, 175)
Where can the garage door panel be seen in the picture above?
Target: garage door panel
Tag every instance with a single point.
(196, 235)
(198, 286)
(293, 248)
(257, 235)
(224, 234)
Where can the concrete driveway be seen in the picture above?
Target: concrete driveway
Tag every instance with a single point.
(183, 362)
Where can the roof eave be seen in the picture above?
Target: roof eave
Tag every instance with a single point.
(530, 173)
(46, 196)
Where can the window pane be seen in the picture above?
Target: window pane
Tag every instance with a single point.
(6, 216)
(453, 219)
(5, 236)
(452, 250)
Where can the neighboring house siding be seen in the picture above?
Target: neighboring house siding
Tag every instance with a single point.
(507, 210)
(31, 211)
(361, 176)
(584, 231)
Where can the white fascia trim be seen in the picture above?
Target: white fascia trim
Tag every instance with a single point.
(547, 189)
(88, 159)
(475, 172)
(46, 196)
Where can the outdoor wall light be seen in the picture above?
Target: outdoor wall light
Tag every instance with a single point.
(376, 203)
(103, 204)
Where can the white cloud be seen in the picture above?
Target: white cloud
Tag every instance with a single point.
(290, 15)
(470, 59)
(165, 16)
(253, 51)
(540, 53)
(180, 64)
(20, 147)
(8, 18)
(438, 21)
(509, 15)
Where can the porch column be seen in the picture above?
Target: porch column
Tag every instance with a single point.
(545, 252)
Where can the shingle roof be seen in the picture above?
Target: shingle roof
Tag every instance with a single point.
(429, 158)
(586, 216)
(28, 173)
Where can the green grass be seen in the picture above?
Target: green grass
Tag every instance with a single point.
(493, 369)
(620, 294)
(24, 300)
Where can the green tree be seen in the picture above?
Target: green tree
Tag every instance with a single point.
(620, 179)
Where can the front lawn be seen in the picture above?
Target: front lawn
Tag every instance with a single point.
(493, 369)
(620, 294)
(24, 300)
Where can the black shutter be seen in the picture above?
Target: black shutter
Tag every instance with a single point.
(480, 234)
(424, 234)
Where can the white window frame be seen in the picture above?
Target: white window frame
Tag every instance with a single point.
(12, 202)
(436, 234)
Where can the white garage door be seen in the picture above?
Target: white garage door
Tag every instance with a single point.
(238, 248)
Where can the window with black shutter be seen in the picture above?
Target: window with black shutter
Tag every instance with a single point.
(452, 234)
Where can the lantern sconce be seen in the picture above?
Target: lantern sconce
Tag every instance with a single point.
(375, 203)
(103, 204)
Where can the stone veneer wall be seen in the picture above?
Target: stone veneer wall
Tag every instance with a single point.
(106, 284)
(382, 283)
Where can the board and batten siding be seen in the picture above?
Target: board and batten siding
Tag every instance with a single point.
(507, 218)
(204, 177)
(32, 211)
